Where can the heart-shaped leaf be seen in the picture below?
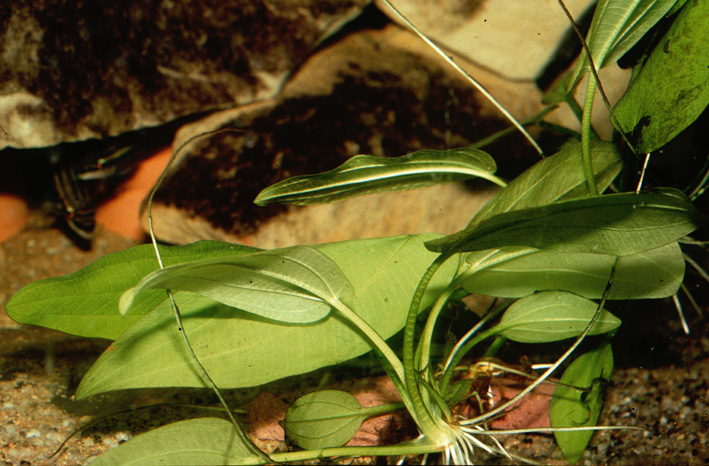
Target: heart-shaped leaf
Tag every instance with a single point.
(292, 285)
(365, 174)
(323, 419)
(552, 316)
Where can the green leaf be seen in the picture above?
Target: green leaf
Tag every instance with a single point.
(670, 90)
(656, 273)
(365, 174)
(578, 408)
(292, 285)
(614, 224)
(323, 419)
(552, 316)
(617, 25)
(205, 441)
(86, 302)
(555, 178)
(243, 350)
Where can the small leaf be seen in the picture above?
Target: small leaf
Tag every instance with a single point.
(556, 178)
(365, 174)
(552, 316)
(670, 90)
(292, 285)
(323, 419)
(617, 25)
(578, 408)
(656, 273)
(205, 441)
(614, 224)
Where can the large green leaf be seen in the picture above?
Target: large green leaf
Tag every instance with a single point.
(671, 90)
(294, 285)
(656, 273)
(552, 316)
(578, 408)
(614, 224)
(364, 174)
(205, 441)
(617, 25)
(242, 350)
(86, 302)
(556, 178)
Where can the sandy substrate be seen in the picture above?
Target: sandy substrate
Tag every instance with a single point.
(661, 382)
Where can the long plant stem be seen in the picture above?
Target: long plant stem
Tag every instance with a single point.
(424, 350)
(466, 75)
(534, 119)
(373, 336)
(178, 316)
(594, 72)
(423, 416)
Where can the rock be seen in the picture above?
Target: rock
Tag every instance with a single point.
(514, 41)
(509, 37)
(374, 92)
(81, 69)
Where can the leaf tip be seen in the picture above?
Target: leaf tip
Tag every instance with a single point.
(126, 301)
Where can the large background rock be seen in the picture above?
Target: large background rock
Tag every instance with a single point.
(373, 92)
(92, 69)
(510, 37)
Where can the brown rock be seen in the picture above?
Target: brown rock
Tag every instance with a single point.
(82, 69)
(512, 38)
(374, 93)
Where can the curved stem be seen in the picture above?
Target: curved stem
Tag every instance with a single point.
(458, 353)
(424, 351)
(373, 336)
(178, 316)
(425, 420)
(467, 76)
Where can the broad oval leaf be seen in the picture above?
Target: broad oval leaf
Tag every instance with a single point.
(365, 174)
(614, 224)
(206, 441)
(86, 302)
(292, 285)
(579, 408)
(323, 419)
(670, 91)
(656, 273)
(552, 316)
(617, 25)
(244, 350)
(558, 177)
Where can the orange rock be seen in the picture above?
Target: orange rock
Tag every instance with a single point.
(14, 214)
(532, 411)
(121, 214)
